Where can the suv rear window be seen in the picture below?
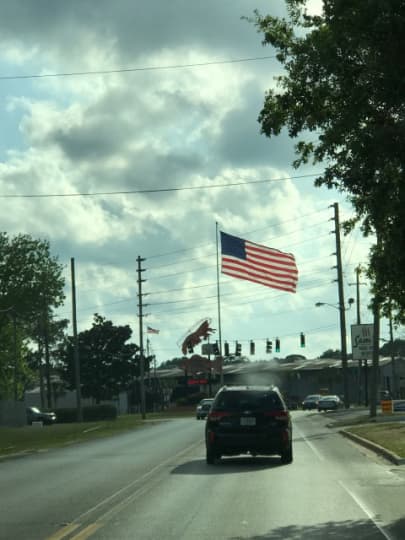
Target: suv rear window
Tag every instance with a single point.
(252, 400)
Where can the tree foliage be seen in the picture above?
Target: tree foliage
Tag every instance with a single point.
(107, 361)
(31, 286)
(30, 277)
(342, 93)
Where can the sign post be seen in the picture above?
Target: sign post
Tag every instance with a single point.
(362, 349)
(362, 341)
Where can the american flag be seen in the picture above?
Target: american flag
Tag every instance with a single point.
(260, 264)
(150, 330)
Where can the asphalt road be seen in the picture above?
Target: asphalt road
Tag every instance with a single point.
(154, 484)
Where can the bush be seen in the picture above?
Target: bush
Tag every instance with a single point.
(90, 414)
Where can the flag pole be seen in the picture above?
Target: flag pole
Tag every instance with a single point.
(219, 309)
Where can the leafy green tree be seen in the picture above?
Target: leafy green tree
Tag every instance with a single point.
(342, 94)
(397, 348)
(31, 278)
(330, 353)
(31, 286)
(16, 374)
(107, 361)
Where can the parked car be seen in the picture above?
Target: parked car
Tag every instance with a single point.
(311, 402)
(203, 407)
(35, 415)
(248, 420)
(329, 403)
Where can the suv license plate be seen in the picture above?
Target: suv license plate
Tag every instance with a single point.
(248, 421)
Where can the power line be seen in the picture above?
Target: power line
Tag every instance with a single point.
(132, 70)
(143, 191)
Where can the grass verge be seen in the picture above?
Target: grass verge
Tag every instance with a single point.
(390, 435)
(33, 438)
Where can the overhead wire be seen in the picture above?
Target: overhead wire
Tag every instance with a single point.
(134, 69)
(149, 191)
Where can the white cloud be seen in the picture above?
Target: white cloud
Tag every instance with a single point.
(167, 128)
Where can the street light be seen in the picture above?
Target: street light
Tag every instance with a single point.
(340, 307)
(350, 302)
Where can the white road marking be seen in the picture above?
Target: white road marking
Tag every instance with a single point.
(312, 447)
(368, 512)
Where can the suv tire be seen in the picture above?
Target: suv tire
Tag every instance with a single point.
(211, 456)
(287, 456)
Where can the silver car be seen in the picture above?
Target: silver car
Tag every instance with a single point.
(329, 403)
(203, 408)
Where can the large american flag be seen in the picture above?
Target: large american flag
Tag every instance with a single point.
(260, 264)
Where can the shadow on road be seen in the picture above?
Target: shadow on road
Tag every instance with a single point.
(228, 465)
(333, 530)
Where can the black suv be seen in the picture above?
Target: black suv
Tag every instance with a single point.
(248, 419)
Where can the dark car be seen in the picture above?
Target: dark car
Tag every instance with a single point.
(329, 403)
(248, 420)
(203, 407)
(35, 415)
(311, 402)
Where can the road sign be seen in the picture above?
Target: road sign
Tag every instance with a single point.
(362, 341)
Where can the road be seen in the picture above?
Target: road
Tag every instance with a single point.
(154, 484)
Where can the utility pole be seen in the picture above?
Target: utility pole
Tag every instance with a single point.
(358, 270)
(393, 366)
(141, 351)
(376, 342)
(16, 355)
(47, 358)
(375, 362)
(341, 308)
(76, 345)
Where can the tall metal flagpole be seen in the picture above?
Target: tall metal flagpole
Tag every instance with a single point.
(219, 309)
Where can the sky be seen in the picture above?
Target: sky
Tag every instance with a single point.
(145, 157)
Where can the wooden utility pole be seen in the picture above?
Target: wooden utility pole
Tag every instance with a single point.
(342, 310)
(375, 361)
(141, 351)
(76, 344)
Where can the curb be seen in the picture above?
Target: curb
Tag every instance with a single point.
(380, 450)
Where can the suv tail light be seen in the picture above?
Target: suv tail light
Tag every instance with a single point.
(278, 415)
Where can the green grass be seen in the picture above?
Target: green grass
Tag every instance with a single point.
(33, 438)
(390, 435)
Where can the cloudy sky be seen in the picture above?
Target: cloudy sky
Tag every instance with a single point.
(144, 157)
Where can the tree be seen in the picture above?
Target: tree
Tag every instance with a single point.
(31, 278)
(330, 353)
(107, 361)
(342, 93)
(15, 372)
(31, 286)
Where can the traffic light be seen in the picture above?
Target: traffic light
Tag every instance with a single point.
(252, 347)
(215, 349)
(238, 349)
(302, 339)
(269, 346)
(277, 348)
(226, 348)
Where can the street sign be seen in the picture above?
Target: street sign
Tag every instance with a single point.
(362, 341)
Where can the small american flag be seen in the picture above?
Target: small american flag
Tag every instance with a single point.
(150, 330)
(260, 264)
